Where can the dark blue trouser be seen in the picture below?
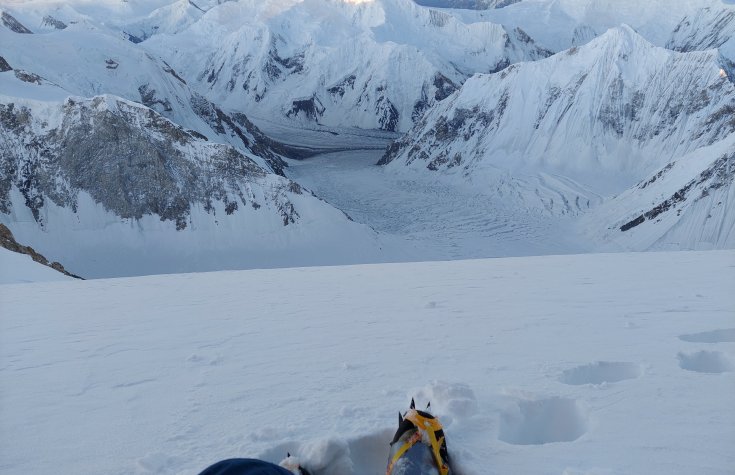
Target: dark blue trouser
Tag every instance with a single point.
(245, 467)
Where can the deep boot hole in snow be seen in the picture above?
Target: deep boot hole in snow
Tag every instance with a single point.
(601, 372)
(715, 336)
(706, 362)
(542, 421)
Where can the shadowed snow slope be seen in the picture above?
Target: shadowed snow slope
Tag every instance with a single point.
(168, 374)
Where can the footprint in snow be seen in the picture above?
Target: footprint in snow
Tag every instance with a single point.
(542, 421)
(706, 362)
(601, 372)
(726, 335)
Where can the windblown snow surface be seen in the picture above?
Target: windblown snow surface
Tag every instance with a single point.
(595, 364)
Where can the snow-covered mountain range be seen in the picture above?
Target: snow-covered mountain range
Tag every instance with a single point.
(560, 24)
(604, 115)
(130, 125)
(380, 64)
(111, 65)
(168, 183)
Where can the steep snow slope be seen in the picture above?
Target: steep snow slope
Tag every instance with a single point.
(596, 364)
(110, 187)
(379, 64)
(86, 60)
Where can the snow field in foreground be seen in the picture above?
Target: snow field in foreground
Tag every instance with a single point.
(592, 364)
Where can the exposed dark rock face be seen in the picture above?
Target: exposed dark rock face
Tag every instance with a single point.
(4, 66)
(8, 242)
(277, 67)
(149, 99)
(172, 72)
(311, 108)
(537, 51)
(239, 125)
(341, 87)
(25, 76)
(720, 174)
(128, 159)
(385, 110)
(464, 124)
(444, 87)
(133, 38)
(13, 24)
(48, 20)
